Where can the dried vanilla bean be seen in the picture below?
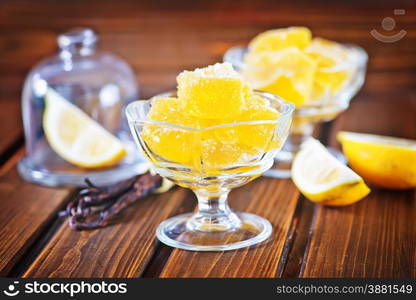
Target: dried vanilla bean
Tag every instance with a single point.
(95, 206)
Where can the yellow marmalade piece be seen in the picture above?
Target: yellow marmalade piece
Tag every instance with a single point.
(288, 73)
(213, 141)
(334, 65)
(219, 154)
(260, 137)
(241, 143)
(214, 92)
(169, 142)
(278, 39)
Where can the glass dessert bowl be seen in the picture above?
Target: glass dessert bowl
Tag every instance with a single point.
(210, 162)
(328, 97)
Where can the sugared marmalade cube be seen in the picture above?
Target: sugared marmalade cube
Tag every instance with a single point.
(214, 92)
(288, 73)
(333, 67)
(169, 142)
(277, 39)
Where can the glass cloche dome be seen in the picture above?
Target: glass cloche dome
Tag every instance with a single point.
(73, 114)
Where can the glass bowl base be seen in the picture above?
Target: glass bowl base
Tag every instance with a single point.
(31, 173)
(174, 232)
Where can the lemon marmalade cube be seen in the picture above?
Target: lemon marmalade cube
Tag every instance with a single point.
(171, 143)
(288, 73)
(277, 39)
(214, 92)
(211, 122)
(241, 141)
(289, 63)
(333, 70)
(259, 136)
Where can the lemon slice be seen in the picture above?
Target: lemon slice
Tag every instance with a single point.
(77, 138)
(324, 179)
(384, 161)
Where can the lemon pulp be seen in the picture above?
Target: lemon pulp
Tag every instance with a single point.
(323, 179)
(77, 138)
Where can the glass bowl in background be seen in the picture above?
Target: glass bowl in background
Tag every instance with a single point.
(323, 109)
(214, 227)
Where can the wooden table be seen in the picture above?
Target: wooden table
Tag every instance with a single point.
(375, 237)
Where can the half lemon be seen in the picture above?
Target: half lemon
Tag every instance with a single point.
(384, 161)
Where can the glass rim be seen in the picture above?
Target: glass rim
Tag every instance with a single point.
(288, 110)
(362, 58)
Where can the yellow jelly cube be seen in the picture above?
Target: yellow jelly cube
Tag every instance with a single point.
(261, 68)
(261, 137)
(217, 154)
(320, 93)
(333, 60)
(278, 39)
(213, 92)
(253, 139)
(212, 102)
(288, 73)
(171, 143)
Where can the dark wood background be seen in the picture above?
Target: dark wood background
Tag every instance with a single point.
(375, 237)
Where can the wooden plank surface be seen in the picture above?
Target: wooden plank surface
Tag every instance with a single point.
(269, 198)
(375, 237)
(11, 126)
(25, 209)
(120, 250)
(160, 39)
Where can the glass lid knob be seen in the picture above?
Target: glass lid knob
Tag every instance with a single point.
(79, 41)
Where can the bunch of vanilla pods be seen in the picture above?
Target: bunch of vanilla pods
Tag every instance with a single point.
(94, 207)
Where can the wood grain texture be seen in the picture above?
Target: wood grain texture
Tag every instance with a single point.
(25, 209)
(10, 128)
(375, 237)
(298, 238)
(161, 38)
(120, 250)
(273, 199)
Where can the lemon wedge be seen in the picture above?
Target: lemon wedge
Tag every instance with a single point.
(324, 179)
(77, 138)
(384, 161)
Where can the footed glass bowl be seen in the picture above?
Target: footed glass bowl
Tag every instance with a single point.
(326, 108)
(210, 170)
